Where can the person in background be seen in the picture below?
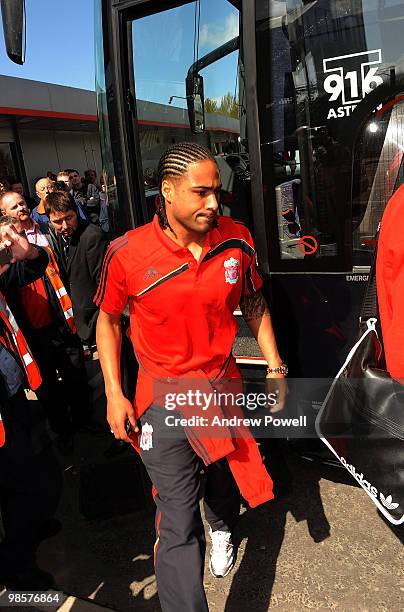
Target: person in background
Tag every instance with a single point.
(87, 195)
(51, 175)
(4, 184)
(104, 217)
(90, 178)
(63, 183)
(42, 187)
(79, 247)
(35, 197)
(63, 176)
(30, 477)
(44, 312)
(17, 186)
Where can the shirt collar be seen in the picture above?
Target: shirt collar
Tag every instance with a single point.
(211, 239)
(41, 208)
(33, 229)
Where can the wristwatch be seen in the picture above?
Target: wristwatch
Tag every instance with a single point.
(282, 369)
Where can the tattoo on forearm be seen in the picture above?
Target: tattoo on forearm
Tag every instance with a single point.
(254, 306)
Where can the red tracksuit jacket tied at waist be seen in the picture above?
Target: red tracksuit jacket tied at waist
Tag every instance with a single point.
(236, 444)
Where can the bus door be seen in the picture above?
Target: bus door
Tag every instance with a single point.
(329, 89)
(165, 44)
(191, 52)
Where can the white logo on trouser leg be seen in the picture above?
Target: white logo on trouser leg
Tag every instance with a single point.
(146, 438)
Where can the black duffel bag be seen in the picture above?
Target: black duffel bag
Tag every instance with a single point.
(362, 418)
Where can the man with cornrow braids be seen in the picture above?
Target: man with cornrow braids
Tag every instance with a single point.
(183, 276)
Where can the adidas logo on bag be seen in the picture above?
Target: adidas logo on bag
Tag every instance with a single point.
(386, 501)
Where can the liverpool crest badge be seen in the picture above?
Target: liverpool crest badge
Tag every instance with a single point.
(231, 270)
(146, 438)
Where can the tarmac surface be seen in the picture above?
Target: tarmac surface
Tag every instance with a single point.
(323, 547)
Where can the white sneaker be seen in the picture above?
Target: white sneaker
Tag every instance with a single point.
(221, 554)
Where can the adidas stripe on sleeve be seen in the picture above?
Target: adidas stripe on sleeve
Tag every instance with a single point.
(112, 293)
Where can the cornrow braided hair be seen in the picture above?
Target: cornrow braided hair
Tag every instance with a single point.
(174, 163)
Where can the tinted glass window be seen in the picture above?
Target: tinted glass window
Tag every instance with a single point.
(332, 63)
(108, 169)
(186, 34)
(378, 172)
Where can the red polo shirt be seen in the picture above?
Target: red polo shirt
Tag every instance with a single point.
(181, 310)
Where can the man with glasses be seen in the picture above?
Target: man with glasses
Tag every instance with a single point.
(42, 188)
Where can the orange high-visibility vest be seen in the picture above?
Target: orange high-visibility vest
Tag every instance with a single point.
(53, 274)
(15, 342)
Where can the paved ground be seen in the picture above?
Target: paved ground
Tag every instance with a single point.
(323, 548)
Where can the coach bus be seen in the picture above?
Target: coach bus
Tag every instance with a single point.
(301, 102)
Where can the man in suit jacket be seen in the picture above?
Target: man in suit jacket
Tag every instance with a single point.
(80, 248)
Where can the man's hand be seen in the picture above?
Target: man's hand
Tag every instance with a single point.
(119, 410)
(277, 384)
(17, 243)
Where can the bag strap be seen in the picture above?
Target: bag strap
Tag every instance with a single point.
(369, 308)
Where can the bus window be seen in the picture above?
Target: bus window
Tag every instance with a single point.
(115, 213)
(185, 34)
(377, 173)
(317, 62)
